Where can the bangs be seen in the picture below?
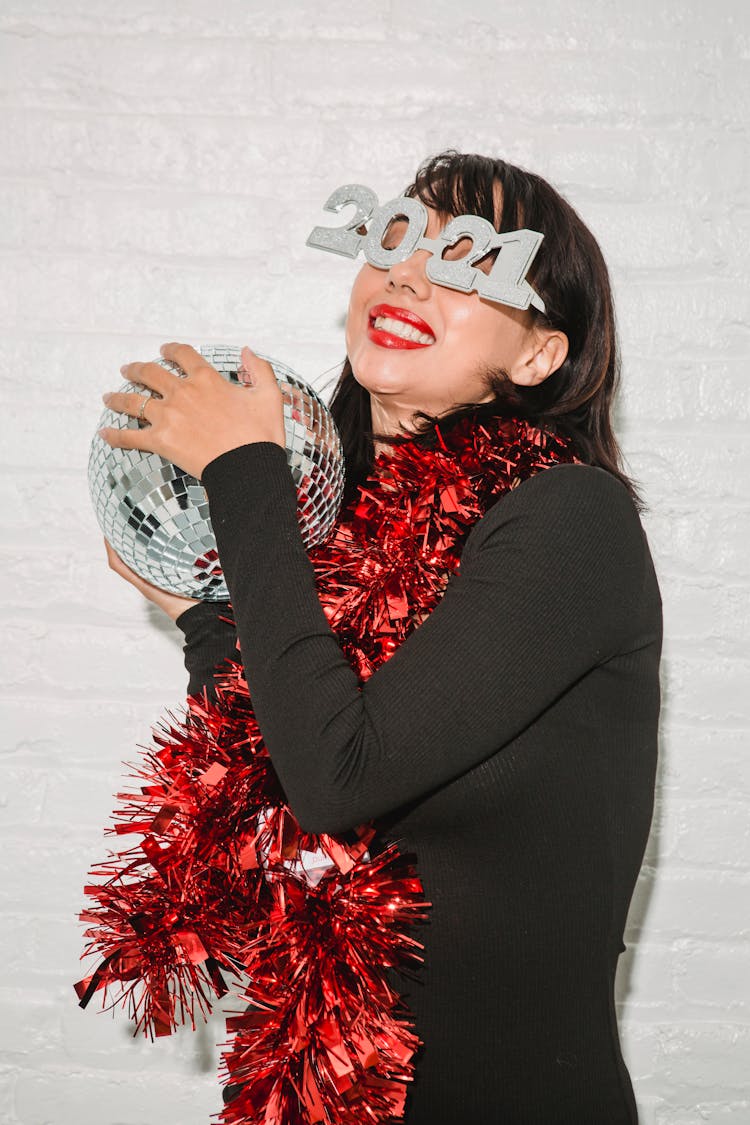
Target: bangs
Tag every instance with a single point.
(454, 183)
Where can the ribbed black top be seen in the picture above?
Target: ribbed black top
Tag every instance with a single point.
(510, 743)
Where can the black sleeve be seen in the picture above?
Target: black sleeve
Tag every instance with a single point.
(548, 588)
(210, 638)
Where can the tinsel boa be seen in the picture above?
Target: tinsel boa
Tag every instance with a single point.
(221, 882)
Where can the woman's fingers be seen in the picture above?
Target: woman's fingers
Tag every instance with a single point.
(128, 438)
(187, 359)
(172, 604)
(193, 420)
(150, 375)
(255, 372)
(120, 567)
(135, 405)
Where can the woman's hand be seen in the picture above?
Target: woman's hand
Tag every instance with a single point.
(194, 419)
(172, 604)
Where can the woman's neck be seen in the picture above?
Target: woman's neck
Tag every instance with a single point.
(389, 418)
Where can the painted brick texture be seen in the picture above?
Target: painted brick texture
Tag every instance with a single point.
(160, 167)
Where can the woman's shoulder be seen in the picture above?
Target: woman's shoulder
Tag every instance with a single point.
(573, 478)
(570, 503)
(571, 527)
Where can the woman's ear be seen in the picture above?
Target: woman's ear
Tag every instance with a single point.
(547, 352)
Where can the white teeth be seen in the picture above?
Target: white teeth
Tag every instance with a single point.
(402, 329)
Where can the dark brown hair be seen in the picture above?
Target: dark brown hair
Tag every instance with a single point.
(569, 274)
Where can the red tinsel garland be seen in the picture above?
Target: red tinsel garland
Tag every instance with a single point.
(221, 882)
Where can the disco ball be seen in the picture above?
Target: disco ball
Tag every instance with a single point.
(156, 516)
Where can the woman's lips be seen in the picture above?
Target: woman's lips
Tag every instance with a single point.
(398, 328)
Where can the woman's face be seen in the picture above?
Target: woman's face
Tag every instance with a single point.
(415, 345)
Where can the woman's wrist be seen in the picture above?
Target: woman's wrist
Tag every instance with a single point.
(204, 613)
(182, 618)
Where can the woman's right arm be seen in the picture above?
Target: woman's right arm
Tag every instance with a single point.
(210, 633)
(210, 639)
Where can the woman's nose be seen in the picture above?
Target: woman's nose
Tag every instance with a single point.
(410, 274)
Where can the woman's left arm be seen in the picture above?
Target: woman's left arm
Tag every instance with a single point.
(551, 585)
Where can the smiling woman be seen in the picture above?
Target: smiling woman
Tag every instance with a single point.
(460, 340)
(468, 670)
(557, 365)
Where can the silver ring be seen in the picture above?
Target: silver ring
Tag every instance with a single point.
(141, 416)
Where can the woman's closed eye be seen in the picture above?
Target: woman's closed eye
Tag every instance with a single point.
(394, 233)
(463, 248)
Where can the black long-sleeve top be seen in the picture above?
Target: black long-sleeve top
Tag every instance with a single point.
(510, 743)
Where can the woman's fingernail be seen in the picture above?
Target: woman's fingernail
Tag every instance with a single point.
(123, 369)
(102, 432)
(106, 398)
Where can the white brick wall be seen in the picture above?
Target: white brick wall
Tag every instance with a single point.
(144, 145)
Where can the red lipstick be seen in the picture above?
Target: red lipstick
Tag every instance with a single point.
(389, 339)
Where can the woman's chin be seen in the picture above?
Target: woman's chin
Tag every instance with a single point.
(380, 382)
(379, 374)
(382, 388)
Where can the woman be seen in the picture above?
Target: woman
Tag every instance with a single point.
(510, 740)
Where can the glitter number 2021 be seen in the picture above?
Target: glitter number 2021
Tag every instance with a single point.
(392, 232)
